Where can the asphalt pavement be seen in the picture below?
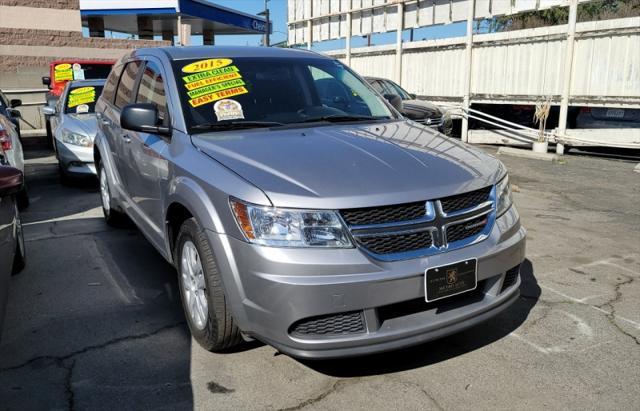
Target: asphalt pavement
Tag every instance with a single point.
(95, 322)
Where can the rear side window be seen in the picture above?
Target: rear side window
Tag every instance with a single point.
(109, 91)
(152, 90)
(127, 80)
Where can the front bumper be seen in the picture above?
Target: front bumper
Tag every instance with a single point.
(75, 159)
(271, 289)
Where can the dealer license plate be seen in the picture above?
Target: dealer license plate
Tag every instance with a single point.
(452, 279)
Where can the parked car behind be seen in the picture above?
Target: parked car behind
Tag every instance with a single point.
(326, 227)
(63, 71)
(12, 250)
(74, 124)
(11, 154)
(8, 108)
(601, 117)
(420, 111)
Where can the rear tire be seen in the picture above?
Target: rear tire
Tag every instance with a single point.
(23, 199)
(47, 126)
(203, 299)
(20, 258)
(113, 217)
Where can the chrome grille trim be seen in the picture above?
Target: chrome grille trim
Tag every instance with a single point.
(436, 221)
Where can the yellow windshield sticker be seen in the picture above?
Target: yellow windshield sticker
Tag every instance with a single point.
(204, 65)
(210, 73)
(215, 87)
(62, 72)
(212, 80)
(82, 95)
(218, 95)
(82, 90)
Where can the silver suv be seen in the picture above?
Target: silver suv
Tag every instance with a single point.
(298, 207)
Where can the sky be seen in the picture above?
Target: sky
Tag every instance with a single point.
(278, 16)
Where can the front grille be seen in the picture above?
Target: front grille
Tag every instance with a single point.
(467, 229)
(396, 243)
(466, 200)
(384, 214)
(418, 228)
(510, 277)
(333, 324)
(435, 121)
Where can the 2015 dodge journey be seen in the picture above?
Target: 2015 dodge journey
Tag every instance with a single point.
(298, 206)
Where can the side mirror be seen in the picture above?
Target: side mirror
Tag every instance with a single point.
(142, 117)
(394, 100)
(15, 113)
(15, 102)
(48, 111)
(413, 96)
(11, 181)
(46, 81)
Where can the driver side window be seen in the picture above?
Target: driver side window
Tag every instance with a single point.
(152, 90)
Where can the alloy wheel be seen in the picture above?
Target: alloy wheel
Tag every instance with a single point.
(193, 285)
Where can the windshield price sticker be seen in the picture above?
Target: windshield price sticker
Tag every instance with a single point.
(82, 108)
(62, 72)
(212, 80)
(215, 87)
(204, 65)
(227, 109)
(82, 95)
(209, 73)
(218, 95)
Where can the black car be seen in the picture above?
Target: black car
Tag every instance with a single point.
(8, 109)
(420, 111)
(12, 251)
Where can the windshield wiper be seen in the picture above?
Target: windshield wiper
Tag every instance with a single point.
(235, 125)
(340, 118)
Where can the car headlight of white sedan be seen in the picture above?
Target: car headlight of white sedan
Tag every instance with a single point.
(76, 139)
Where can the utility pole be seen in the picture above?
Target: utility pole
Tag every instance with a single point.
(265, 39)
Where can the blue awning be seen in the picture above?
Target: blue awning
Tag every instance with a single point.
(202, 15)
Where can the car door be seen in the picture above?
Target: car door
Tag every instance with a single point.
(144, 153)
(119, 139)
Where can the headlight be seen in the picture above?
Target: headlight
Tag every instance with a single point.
(76, 139)
(280, 227)
(503, 193)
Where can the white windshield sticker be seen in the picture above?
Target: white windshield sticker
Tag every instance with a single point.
(82, 108)
(227, 109)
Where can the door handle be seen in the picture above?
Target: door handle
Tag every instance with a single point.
(126, 138)
(105, 122)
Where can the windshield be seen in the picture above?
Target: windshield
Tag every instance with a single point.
(63, 72)
(217, 93)
(82, 99)
(399, 91)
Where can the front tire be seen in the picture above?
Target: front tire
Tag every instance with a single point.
(113, 217)
(203, 298)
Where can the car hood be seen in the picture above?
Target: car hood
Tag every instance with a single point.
(418, 109)
(345, 166)
(86, 124)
